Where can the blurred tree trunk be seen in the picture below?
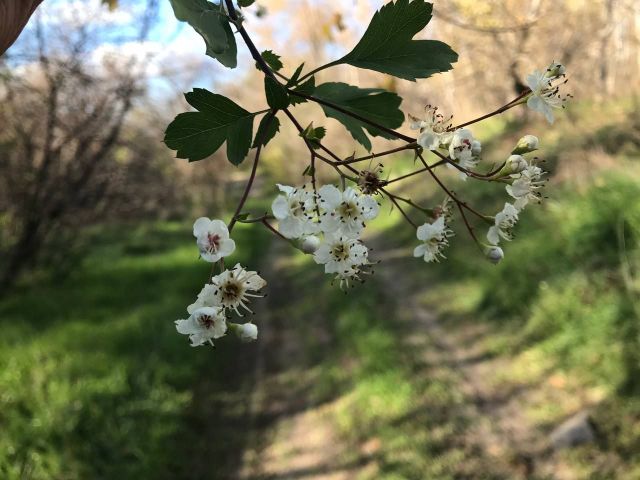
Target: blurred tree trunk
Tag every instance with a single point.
(14, 15)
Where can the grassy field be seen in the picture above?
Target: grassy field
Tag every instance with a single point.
(455, 370)
(94, 380)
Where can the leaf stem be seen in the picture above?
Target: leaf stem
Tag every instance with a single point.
(410, 146)
(338, 108)
(252, 177)
(504, 108)
(318, 69)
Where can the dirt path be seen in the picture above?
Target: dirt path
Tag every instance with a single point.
(292, 436)
(506, 441)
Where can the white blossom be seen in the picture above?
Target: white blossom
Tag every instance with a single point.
(341, 254)
(433, 129)
(212, 237)
(505, 220)
(545, 96)
(233, 288)
(464, 150)
(294, 211)
(434, 237)
(526, 186)
(204, 325)
(206, 298)
(345, 211)
(346, 278)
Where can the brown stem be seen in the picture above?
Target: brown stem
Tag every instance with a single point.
(504, 108)
(270, 227)
(447, 191)
(395, 202)
(252, 177)
(338, 108)
(247, 40)
(410, 146)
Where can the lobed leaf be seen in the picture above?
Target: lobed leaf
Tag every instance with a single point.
(272, 59)
(196, 135)
(387, 44)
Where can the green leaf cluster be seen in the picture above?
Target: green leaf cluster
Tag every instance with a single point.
(387, 46)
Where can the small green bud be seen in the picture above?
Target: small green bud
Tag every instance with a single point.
(246, 332)
(514, 164)
(526, 144)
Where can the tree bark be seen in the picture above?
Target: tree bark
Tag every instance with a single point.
(14, 15)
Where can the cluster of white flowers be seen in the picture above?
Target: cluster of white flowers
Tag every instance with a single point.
(228, 291)
(437, 133)
(524, 181)
(329, 225)
(435, 129)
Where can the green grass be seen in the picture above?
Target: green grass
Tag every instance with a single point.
(94, 380)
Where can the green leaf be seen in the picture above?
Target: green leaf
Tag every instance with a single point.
(212, 24)
(307, 88)
(376, 104)
(313, 135)
(387, 44)
(269, 126)
(277, 96)
(296, 75)
(245, 3)
(196, 135)
(272, 60)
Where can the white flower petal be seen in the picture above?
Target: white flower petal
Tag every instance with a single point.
(201, 226)
(420, 250)
(280, 207)
(227, 247)
(492, 236)
(331, 195)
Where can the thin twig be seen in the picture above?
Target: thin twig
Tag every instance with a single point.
(252, 176)
(395, 202)
(349, 161)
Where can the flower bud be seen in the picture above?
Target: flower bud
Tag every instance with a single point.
(494, 254)
(555, 70)
(247, 332)
(526, 144)
(310, 244)
(514, 164)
